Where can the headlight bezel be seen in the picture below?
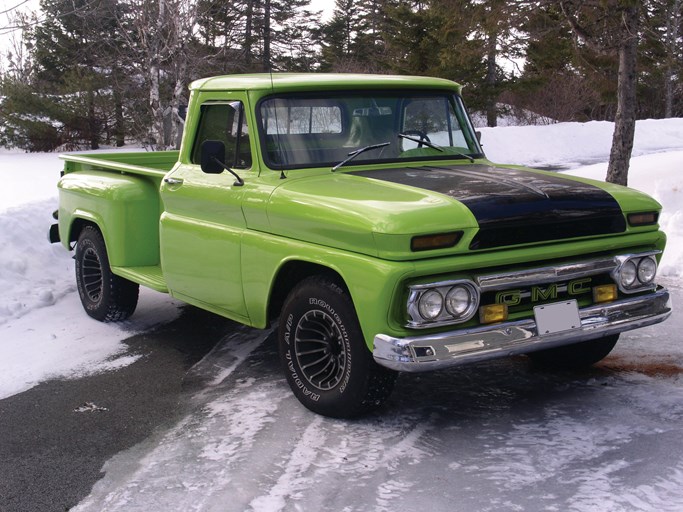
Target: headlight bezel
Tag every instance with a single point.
(418, 293)
(629, 262)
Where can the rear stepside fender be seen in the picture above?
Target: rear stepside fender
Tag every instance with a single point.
(124, 207)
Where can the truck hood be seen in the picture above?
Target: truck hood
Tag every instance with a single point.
(378, 211)
(515, 206)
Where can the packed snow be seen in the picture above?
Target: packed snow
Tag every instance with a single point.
(577, 458)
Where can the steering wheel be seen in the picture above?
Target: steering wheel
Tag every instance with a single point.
(417, 133)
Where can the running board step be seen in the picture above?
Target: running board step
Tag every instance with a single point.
(149, 276)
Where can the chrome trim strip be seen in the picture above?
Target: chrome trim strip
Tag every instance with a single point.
(443, 350)
(544, 275)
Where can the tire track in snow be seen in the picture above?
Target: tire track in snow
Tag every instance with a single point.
(198, 457)
(293, 479)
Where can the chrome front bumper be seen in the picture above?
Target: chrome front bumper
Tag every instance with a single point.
(437, 351)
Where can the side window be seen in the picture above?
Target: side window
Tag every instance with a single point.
(227, 123)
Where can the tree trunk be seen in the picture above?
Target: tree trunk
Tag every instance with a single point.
(154, 67)
(491, 111)
(119, 124)
(93, 132)
(119, 127)
(673, 25)
(157, 135)
(266, 35)
(248, 35)
(176, 121)
(625, 121)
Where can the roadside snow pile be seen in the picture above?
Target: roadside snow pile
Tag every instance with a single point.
(658, 175)
(33, 273)
(44, 332)
(570, 145)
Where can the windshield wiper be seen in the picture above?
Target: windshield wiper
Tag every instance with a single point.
(434, 146)
(357, 152)
(421, 141)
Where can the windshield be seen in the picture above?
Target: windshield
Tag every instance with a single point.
(325, 130)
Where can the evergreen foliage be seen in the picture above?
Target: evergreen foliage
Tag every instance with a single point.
(92, 72)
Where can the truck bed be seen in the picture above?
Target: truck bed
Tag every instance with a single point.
(151, 163)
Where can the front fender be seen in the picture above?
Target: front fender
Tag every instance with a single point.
(371, 282)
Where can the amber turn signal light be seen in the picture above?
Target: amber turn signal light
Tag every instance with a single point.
(438, 241)
(643, 218)
(493, 313)
(605, 293)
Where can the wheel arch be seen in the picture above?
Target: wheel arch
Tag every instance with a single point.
(292, 273)
(79, 222)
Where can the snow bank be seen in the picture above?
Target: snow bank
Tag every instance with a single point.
(44, 332)
(33, 273)
(658, 175)
(570, 145)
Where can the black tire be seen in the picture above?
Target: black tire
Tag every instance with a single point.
(105, 297)
(576, 356)
(324, 355)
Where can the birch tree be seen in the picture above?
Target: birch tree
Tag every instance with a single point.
(160, 32)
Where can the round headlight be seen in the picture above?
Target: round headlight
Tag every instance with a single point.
(458, 300)
(628, 274)
(647, 269)
(430, 305)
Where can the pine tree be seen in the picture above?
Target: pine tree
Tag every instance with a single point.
(73, 48)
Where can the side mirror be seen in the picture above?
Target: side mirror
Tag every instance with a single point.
(478, 134)
(212, 156)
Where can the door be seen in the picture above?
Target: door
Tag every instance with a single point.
(202, 222)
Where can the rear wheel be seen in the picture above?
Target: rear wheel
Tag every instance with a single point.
(324, 355)
(105, 296)
(576, 356)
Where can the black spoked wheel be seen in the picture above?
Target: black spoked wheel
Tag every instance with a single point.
(104, 295)
(576, 356)
(320, 350)
(326, 360)
(92, 275)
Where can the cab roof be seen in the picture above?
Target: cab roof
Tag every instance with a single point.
(292, 82)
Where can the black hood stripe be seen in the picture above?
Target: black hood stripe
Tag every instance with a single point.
(514, 206)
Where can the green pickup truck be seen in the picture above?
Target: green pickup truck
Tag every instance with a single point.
(360, 213)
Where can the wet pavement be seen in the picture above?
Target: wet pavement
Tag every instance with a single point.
(205, 421)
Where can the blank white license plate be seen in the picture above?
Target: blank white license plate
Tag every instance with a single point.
(557, 317)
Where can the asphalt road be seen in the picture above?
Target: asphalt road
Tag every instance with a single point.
(51, 456)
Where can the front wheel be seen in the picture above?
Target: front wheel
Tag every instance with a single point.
(105, 296)
(324, 355)
(576, 356)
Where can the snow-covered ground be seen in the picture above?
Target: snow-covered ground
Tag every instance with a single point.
(45, 334)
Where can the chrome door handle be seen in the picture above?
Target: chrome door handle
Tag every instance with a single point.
(173, 181)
